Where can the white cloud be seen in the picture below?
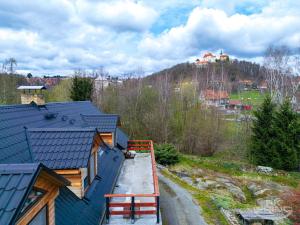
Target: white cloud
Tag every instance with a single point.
(233, 6)
(213, 29)
(121, 15)
(63, 35)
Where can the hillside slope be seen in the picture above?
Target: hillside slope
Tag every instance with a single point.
(230, 72)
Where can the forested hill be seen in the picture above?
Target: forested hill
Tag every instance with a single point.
(232, 71)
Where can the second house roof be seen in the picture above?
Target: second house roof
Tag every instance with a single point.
(104, 122)
(61, 148)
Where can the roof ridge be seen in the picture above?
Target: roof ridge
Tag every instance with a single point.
(106, 114)
(63, 129)
(12, 168)
(15, 105)
(70, 102)
(28, 143)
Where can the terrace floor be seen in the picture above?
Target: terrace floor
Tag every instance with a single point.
(135, 178)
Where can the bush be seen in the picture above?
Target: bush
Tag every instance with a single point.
(82, 88)
(291, 203)
(166, 154)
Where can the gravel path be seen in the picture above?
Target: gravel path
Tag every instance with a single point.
(177, 205)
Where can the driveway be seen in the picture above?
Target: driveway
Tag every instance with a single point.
(177, 204)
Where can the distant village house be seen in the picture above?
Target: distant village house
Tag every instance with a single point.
(215, 97)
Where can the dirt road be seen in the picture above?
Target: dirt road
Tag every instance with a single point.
(177, 205)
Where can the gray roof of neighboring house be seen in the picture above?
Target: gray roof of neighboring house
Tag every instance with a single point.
(61, 148)
(13, 118)
(122, 139)
(104, 122)
(16, 181)
(31, 87)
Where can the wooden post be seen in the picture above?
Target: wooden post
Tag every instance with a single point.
(132, 208)
(157, 209)
(107, 210)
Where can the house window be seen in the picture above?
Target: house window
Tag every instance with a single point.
(40, 218)
(34, 196)
(92, 169)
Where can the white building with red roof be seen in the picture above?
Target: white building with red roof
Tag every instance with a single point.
(209, 57)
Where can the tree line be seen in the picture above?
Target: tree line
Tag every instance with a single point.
(165, 114)
(275, 137)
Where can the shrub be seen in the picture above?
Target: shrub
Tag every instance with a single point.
(82, 88)
(291, 200)
(166, 154)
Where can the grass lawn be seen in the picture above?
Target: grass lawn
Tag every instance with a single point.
(253, 97)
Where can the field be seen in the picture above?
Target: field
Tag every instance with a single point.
(252, 97)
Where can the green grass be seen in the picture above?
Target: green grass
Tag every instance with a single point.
(236, 169)
(253, 97)
(211, 200)
(210, 209)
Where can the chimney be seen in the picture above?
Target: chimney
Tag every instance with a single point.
(32, 94)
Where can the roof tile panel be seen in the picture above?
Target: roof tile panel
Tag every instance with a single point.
(14, 181)
(13, 118)
(59, 147)
(103, 122)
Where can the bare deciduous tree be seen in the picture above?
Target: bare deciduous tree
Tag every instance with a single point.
(280, 73)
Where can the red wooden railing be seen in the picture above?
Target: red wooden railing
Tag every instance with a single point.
(133, 208)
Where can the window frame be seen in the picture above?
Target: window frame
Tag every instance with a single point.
(94, 157)
(47, 214)
(33, 203)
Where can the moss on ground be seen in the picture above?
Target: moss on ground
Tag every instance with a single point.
(211, 200)
(210, 210)
(236, 169)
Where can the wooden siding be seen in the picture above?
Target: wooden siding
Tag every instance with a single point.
(45, 182)
(108, 138)
(76, 177)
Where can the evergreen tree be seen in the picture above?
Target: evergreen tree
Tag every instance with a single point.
(261, 150)
(286, 137)
(81, 89)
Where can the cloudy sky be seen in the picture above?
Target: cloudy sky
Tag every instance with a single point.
(59, 36)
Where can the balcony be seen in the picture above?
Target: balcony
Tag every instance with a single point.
(136, 196)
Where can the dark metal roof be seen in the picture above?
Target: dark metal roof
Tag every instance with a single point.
(104, 122)
(17, 147)
(13, 118)
(16, 181)
(69, 209)
(61, 148)
(122, 139)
